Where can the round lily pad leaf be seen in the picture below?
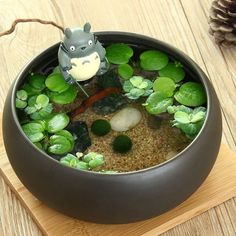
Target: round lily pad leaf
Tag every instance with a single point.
(31, 90)
(22, 95)
(191, 94)
(136, 80)
(20, 104)
(57, 122)
(174, 71)
(182, 117)
(119, 53)
(165, 86)
(153, 60)
(56, 83)
(34, 131)
(157, 103)
(42, 100)
(59, 145)
(125, 71)
(30, 110)
(65, 97)
(67, 135)
(135, 92)
(35, 137)
(37, 81)
(33, 127)
(127, 86)
(82, 165)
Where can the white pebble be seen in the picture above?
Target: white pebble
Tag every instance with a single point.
(125, 119)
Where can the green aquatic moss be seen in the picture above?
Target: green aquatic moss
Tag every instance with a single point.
(100, 127)
(122, 144)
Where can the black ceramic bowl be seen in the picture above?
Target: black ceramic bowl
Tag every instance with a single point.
(115, 198)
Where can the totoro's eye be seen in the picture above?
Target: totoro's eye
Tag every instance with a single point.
(72, 48)
(90, 42)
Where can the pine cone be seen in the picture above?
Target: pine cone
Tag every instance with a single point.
(222, 22)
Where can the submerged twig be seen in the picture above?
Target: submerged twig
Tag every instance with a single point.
(45, 22)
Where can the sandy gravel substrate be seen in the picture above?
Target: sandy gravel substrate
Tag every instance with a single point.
(150, 146)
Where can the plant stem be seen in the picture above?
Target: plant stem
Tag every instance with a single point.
(45, 22)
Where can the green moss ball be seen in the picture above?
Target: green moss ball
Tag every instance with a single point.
(100, 127)
(122, 144)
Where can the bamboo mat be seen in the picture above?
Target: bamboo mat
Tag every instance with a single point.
(218, 187)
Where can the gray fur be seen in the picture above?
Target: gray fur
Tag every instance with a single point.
(78, 39)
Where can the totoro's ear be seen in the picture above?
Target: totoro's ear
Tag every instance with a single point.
(87, 27)
(68, 32)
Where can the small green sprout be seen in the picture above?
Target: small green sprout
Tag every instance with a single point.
(137, 86)
(89, 161)
(93, 159)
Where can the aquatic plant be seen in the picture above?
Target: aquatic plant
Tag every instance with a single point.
(119, 53)
(100, 127)
(191, 94)
(187, 119)
(122, 143)
(137, 86)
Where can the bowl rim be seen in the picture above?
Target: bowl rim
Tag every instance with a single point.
(194, 67)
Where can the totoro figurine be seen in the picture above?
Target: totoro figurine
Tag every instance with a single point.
(81, 55)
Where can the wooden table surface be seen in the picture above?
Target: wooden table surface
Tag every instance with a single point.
(182, 23)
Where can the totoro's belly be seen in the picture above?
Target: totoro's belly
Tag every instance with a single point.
(84, 68)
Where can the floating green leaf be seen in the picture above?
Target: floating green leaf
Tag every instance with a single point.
(93, 159)
(191, 94)
(57, 122)
(137, 86)
(127, 86)
(30, 90)
(173, 71)
(125, 71)
(136, 81)
(65, 97)
(165, 86)
(153, 60)
(59, 145)
(42, 100)
(34, 131)
(37, 81)
(30, 110)
(182, 117)
(157, 103)
(22, 95)
(119, 53)
(82, 165)
(56, 83)
(20, 104)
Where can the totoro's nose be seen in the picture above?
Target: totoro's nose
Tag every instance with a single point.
(82, 48)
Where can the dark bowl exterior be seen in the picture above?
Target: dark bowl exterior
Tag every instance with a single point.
(119, 198)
